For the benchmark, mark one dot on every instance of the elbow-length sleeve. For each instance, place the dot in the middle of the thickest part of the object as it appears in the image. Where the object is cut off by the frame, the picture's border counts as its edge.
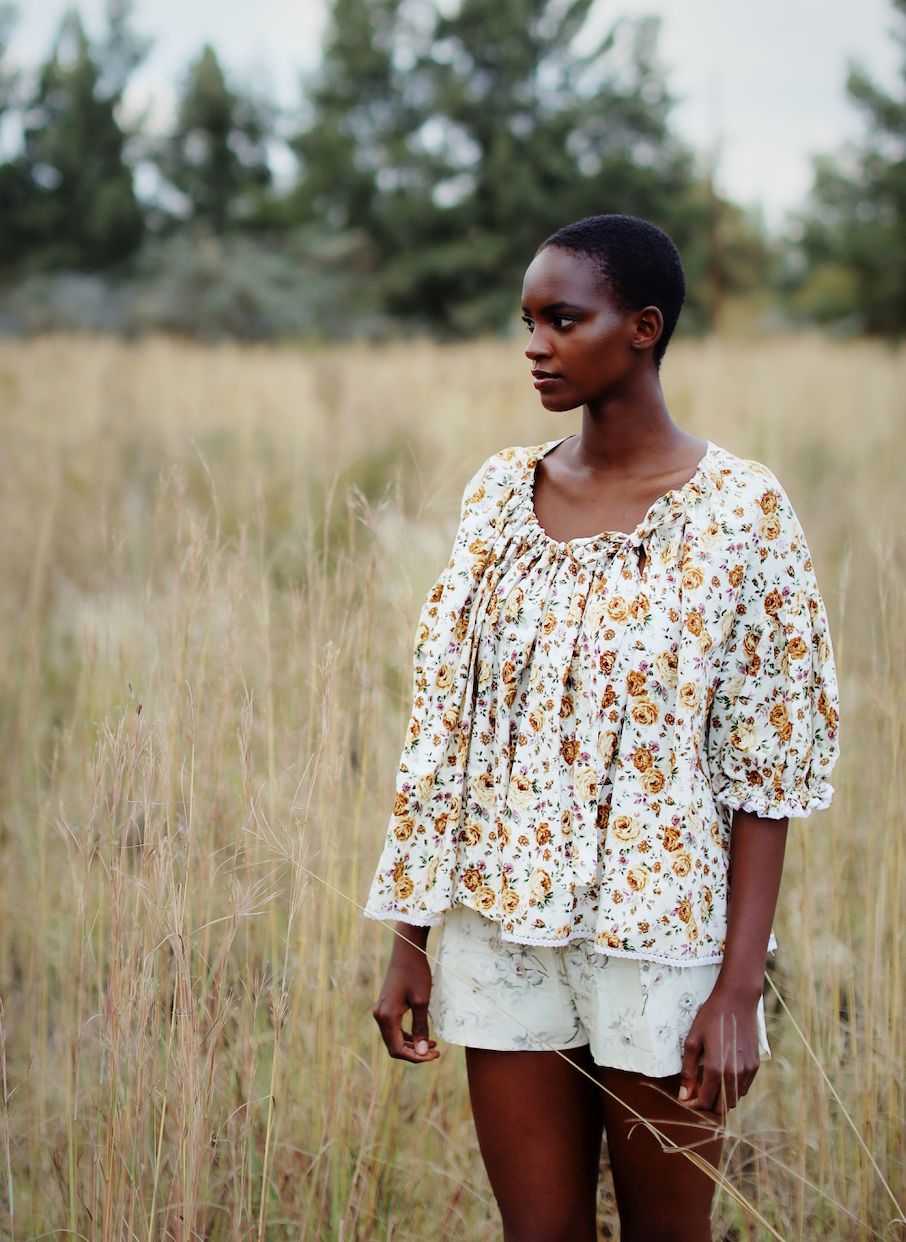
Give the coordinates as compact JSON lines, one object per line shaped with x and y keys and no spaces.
{"x":772,"y":739}
{"x":407,"y":885}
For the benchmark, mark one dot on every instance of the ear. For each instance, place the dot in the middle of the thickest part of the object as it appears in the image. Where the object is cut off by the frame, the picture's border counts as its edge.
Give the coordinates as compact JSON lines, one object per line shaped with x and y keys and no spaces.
{"x":649,"y":326}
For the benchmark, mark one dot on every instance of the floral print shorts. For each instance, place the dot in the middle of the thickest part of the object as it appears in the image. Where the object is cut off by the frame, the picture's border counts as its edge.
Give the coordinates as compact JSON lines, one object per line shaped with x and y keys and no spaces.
{"x":634,"y":1015}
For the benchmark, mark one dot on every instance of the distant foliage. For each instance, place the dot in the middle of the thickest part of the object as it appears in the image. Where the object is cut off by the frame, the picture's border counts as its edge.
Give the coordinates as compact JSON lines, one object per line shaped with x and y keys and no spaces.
{"x":434,"y":153}
{"x":217,"y":154}
{"x":855,"y":227}
{"x":458,"y":143}
{"x":67,"y":200}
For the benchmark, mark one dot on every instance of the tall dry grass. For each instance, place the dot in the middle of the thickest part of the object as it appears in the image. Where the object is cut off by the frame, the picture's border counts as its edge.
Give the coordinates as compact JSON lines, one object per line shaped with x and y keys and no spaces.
{"x":211,"y":565}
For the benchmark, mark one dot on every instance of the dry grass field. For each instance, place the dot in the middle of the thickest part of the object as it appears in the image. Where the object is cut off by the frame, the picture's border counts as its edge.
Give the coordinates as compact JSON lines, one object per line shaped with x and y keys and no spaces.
{"x":211,"y":564}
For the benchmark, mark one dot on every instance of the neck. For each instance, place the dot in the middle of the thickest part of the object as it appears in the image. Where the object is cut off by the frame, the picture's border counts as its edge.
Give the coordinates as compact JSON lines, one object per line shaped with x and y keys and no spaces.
{"x":623,"y":429}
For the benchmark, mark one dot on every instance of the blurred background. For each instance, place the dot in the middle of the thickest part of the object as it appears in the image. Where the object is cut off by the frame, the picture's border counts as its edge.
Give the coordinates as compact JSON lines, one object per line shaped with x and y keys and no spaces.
{"x":259,"y":277}
{"x":366,"y":167}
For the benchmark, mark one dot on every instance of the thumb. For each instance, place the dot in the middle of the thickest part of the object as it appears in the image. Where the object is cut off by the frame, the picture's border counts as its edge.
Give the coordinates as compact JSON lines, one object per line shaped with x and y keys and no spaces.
{"x":692,"y":1050}
{"x":420,"y":1027}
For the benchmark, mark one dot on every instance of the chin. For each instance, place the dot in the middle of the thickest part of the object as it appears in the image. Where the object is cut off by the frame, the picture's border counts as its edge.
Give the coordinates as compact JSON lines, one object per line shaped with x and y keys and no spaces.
{"x":558,"y":405}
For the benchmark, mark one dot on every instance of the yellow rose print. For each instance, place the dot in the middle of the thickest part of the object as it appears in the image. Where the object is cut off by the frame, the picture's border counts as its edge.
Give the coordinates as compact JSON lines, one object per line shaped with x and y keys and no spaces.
{"x":403,"y":828}
{"x":626,"y":828}
{"x":521,"y":794}
{"x":485,"y":898}
{"x":509,"y":901}
{"x":540,"y":884}
{"x":585,"y":783}
{"x":482,"y":786}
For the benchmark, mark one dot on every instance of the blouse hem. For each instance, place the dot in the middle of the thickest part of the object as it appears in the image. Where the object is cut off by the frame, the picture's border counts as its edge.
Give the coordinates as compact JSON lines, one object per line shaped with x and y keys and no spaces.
{"x":789,"y":809}
{"x":606,"y":951}
{"x":386,"y":916}
{"x":542,"y":942}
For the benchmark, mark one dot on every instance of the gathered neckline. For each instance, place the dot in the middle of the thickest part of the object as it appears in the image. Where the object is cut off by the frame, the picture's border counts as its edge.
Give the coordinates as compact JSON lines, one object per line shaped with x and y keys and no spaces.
{"x":606,"y":536}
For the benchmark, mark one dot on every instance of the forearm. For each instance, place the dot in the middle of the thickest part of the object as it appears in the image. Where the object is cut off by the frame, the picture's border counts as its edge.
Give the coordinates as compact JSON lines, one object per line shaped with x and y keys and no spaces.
{"x":412,"y":935}
{"x":756,"y":865}
{"x":407,"y":986}
{"x":720,"y":1053}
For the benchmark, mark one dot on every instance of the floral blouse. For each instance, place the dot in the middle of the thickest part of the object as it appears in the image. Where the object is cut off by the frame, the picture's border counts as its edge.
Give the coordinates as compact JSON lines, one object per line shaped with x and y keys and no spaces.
{"x":588,"y":715}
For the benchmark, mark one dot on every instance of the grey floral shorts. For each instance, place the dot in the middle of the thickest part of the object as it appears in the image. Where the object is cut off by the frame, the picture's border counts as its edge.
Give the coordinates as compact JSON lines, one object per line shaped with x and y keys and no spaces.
{"x":634,"y":1015}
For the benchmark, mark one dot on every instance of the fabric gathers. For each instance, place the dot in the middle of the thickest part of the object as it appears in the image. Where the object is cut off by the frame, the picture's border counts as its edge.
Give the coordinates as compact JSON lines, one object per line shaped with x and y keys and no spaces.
{"x":588,"y":715}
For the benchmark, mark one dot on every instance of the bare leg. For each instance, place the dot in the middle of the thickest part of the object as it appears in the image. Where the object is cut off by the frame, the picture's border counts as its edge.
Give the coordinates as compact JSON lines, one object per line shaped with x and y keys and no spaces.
{"x":539,"y":1129}
{"x":661,"y":1196}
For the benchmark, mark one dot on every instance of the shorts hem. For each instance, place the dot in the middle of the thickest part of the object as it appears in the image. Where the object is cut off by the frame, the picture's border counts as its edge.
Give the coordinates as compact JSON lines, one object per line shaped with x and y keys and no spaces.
{"x":489,"y":1044}
{"x":626,"y":1066}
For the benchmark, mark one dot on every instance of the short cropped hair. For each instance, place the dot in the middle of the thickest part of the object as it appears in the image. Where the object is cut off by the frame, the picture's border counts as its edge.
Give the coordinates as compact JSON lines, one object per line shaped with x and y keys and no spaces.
{"x":638,"y":261}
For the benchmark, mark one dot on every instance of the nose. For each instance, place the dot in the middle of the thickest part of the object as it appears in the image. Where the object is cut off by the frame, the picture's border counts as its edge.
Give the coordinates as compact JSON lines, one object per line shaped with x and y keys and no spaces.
{"x":537,"y":347}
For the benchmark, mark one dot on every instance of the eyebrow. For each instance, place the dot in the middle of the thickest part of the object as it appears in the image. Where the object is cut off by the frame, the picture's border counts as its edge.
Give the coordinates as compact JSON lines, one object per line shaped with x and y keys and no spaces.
{"x":555,"y":306}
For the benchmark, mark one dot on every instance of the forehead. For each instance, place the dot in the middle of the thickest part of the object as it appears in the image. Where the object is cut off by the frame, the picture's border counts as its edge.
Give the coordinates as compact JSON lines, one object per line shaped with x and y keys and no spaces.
{"x":557,"y":275}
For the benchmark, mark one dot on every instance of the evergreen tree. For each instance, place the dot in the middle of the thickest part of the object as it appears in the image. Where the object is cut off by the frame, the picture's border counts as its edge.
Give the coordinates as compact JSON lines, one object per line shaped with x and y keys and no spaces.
{"x":537,"y":136}
{"x":8,"y":79}
{"x":855,"y":227}
{"x":355,"y":80}
{"x":67,"y":200}
{"x":458,"y":143}
{"x":217,"y":154}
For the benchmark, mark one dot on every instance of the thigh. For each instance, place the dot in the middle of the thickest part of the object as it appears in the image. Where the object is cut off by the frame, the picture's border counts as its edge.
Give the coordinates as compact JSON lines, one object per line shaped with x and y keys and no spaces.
{"x":661,"y":1195}
{"x":539,"y":1129}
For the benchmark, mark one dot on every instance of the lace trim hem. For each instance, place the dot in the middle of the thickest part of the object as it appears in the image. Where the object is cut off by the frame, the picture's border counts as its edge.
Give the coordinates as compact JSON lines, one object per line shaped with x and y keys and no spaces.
{"x":789,"y":808}
{"x":386,"y":916}
{"x":660,"y":958}
{"x":546,"y":943}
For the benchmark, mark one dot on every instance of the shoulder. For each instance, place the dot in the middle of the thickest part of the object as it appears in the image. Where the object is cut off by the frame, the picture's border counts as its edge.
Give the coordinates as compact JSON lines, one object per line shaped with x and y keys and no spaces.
{"x":505,"y":472}
{"x":743,"y":491}
{"x":753,"y":511}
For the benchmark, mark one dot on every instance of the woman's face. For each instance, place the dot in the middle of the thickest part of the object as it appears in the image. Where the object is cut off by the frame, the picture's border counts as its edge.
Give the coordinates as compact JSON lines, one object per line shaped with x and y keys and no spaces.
{"x":584,"y":348}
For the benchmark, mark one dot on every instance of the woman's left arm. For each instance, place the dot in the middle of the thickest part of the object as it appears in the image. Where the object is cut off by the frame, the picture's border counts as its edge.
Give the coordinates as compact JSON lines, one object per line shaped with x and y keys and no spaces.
{"x":720,"y":1057}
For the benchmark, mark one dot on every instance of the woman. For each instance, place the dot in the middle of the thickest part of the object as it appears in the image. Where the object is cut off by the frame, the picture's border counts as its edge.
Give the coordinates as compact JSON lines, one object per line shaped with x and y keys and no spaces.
{"x":609,"y":735}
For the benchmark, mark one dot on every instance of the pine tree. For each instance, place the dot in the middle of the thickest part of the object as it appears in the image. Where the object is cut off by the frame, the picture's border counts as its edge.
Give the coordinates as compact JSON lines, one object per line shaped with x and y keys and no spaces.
{"x":359,"y":120}
{"x":217,"y":154}
{"x":67,"y":200}
{"x":855,"y":226}
{"x":537,"y":136}
{"x":8,"y":78}
{"x":458,"y":143}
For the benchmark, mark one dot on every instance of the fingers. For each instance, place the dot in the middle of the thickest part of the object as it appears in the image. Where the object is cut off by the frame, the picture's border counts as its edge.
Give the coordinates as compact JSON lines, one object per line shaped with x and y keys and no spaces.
{"x":420,"y":1038}
{"x":745,"y":1081}
{"x":416,"y":1046}
{"x":692,"y":1051}
{"x":713,"y":1089}
{"x":719,"y":1085}
{"x":411,"y":1053}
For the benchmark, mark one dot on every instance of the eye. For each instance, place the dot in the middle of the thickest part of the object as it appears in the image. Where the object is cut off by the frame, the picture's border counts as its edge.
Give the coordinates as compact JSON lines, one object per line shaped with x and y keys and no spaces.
{"x":561,"y":322}
{"x":529,"y":323}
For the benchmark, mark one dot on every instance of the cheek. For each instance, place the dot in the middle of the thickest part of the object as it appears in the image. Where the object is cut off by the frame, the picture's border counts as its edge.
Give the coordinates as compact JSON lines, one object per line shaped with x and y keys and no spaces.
{"x":591,"y":355}
{"x":607,"y":346}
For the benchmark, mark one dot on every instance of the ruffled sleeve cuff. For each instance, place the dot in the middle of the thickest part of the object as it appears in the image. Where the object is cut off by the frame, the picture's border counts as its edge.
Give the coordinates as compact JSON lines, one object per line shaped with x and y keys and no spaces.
{"x":772,"y":803}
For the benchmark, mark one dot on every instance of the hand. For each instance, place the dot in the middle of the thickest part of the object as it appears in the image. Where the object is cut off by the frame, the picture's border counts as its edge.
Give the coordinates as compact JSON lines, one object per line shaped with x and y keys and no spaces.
{"x":407,"y":985}
{"x":720,"y":1055}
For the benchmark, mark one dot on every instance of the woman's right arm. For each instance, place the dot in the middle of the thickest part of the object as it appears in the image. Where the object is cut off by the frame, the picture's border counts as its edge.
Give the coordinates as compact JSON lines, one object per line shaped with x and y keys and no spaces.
{"x":407,"y":985}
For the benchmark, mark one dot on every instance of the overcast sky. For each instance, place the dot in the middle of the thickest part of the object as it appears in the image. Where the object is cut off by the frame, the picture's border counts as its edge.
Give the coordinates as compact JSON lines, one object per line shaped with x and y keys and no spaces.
{"x":764,"y":79}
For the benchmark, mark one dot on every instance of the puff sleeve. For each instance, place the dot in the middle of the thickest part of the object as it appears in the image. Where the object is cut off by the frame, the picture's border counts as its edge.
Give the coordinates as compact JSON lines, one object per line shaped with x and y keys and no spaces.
{"x":407,"y":885}
{"x":772,"y":737}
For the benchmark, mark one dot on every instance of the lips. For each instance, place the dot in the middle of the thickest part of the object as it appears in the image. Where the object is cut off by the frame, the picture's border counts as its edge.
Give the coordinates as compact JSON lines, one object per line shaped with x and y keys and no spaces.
{"x":545,"y":379}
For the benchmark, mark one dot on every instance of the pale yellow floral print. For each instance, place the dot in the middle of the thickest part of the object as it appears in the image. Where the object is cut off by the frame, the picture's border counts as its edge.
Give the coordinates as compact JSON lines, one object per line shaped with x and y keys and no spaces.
{"x":586,"y":719}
